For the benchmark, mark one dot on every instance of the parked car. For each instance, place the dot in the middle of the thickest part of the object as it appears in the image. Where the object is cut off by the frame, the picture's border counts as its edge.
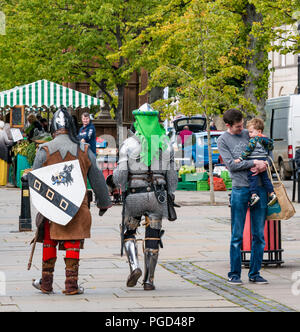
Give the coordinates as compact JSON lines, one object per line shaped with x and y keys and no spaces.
{"x":197,"y":153}
{"x":196,"y":124}
{"x":282,"y":125}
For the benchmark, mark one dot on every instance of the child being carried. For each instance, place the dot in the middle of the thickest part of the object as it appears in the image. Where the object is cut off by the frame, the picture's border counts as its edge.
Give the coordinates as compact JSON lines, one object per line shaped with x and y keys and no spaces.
{"x":258,"y":148}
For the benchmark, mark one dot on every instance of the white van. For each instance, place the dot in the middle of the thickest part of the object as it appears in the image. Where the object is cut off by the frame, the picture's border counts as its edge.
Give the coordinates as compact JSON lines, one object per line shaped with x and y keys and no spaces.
{"x":283,"y":126}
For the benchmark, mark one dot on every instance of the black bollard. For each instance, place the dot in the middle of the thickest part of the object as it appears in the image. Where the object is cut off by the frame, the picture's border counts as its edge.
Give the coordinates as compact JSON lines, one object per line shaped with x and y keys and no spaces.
{"x":25,"y":217}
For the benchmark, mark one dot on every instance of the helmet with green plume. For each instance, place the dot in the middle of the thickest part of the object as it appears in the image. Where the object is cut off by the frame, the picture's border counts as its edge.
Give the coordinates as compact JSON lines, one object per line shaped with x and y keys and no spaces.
{"x":150,"y":132}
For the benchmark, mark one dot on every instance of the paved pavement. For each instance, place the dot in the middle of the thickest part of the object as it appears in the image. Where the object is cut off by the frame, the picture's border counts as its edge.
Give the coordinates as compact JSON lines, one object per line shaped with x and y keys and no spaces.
{"x":191,"y":276}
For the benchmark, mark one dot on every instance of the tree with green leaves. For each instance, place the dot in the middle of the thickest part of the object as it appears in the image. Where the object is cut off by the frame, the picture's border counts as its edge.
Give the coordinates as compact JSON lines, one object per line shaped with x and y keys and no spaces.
{"x":194,"y":52}
{"x":215,"y":53}
{"x":72,"y":41}
{"x":260,"y":27}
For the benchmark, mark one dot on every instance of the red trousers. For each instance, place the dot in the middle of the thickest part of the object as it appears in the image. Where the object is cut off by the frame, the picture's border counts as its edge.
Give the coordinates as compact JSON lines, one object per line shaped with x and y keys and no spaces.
{"x":49,"y":246}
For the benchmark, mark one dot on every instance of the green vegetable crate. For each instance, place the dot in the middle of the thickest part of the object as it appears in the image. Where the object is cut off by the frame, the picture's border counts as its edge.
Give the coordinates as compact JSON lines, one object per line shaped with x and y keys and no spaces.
{"x":202,"y":186}
{"x":227,"y":180}
{"x":228,"y":184}
{"x":199,"y":181}
{"x":187,"y":186}
{"x":194,"y":177}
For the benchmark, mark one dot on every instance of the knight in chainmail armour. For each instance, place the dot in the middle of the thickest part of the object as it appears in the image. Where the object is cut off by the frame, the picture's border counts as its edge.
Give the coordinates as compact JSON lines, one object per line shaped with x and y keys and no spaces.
{"x":146,"y":172}
{"x":63,"y":148}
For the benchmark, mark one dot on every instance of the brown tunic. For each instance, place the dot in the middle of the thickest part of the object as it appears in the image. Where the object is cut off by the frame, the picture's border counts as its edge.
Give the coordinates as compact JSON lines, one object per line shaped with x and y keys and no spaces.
{"x":79,"y":227}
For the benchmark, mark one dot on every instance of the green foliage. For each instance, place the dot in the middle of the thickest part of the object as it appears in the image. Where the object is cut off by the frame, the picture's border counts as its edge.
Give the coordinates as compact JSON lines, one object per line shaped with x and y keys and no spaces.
{"x":201,"y":48}
{"x":71,"y":41}
{"x":195,"y":52}
{"x":26,"y":149}
{"x":212,"y":51}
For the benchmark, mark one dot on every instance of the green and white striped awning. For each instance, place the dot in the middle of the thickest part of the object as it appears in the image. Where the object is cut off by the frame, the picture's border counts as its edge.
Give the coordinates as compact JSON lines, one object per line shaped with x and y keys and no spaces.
{"x":45,"y":93}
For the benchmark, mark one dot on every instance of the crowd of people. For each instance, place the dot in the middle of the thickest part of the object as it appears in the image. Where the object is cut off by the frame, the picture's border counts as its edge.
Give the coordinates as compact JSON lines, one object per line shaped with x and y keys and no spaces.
{"x":36,"y":125}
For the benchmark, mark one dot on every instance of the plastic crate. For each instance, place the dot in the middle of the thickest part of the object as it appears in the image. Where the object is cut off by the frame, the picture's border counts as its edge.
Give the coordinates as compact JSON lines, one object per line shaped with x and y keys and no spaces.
{"x":202,"y":186}
{"x":225,"y":175}
{"x":187,"y":186}
{"x":228,"y":184}
{"x":194,"y":177}
{"x":22,"y":164}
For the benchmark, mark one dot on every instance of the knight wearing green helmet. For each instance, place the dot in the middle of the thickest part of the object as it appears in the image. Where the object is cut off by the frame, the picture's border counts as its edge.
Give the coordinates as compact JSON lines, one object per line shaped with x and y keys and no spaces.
{"x":146,"y":173}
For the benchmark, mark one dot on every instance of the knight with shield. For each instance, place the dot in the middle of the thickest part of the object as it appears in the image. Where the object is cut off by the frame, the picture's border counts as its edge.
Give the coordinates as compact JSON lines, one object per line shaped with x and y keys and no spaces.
{"x":58,"y":187}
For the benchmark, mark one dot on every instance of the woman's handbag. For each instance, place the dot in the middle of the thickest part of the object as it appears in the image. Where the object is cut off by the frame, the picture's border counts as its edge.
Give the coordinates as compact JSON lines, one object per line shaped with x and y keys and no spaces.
{"x":283,"y":209}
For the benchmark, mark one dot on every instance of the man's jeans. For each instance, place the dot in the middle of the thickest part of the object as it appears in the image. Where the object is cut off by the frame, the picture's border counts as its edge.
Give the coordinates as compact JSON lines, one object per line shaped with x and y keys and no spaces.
{"x":239,"y":204}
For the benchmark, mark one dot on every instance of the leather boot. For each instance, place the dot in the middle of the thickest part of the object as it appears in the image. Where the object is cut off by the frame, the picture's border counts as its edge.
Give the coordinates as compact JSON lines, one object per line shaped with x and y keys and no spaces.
{"x":132,"y":256}
{"x":151,"y":258}
{"x":71,"y":283}
{"x":45,"y":283}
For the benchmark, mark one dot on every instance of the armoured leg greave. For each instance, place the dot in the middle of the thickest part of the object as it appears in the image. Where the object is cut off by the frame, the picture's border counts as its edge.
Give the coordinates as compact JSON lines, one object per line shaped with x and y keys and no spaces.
{"x":151,"y":258}
{"x":152,"y":241}
{"x":132,"y":256}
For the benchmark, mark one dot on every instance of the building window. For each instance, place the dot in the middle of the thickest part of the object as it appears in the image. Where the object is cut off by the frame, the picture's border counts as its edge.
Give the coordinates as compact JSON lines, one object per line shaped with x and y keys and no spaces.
{"x":280,"y":91}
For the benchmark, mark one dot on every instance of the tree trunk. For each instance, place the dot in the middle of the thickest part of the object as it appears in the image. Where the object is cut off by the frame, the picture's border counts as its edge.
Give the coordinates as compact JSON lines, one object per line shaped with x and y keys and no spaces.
{"x":254,"y":65}
{"x":119,"y":116}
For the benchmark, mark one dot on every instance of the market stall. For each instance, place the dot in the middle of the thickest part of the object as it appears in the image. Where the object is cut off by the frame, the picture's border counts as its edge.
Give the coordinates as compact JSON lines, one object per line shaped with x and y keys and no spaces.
{"x":197,"y":179}
{"x":36,"y":97}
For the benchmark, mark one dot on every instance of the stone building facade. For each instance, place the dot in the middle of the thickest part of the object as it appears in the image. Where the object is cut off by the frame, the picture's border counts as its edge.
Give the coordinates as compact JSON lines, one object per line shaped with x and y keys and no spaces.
{"x":284,"y":78}
{"x":105,"y":125}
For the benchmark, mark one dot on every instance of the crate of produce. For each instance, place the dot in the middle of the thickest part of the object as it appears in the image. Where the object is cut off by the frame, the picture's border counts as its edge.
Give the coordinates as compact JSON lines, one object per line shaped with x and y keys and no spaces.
{"x":225,"y":176}
{"x":202,"y":186}
{"x":228,"y":184}
{"x":219,"y":184}
{"x":187,"y":186}
{"x":194,"y":177}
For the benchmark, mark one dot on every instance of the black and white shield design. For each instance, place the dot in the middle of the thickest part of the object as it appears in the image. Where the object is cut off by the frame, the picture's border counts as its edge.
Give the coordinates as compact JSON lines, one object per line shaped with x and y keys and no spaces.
{"x":57,"y":191}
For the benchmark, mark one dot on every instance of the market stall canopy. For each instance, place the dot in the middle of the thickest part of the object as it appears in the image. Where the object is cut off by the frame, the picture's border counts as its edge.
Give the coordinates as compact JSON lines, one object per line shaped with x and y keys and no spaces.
{"x":45,"y":93}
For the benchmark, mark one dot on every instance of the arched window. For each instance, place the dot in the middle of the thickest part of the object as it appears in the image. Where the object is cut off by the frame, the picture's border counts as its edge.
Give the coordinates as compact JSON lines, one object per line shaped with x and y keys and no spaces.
{"x":296,"y":90}
{"x":280,"y":91}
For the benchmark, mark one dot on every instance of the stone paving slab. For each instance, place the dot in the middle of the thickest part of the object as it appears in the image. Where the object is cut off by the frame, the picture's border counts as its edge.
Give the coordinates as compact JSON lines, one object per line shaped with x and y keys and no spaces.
{"x":237,"y":294}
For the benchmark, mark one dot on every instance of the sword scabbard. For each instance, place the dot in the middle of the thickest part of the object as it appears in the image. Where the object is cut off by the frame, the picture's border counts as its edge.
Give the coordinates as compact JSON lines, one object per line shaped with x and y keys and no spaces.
{"x":32,"y":250}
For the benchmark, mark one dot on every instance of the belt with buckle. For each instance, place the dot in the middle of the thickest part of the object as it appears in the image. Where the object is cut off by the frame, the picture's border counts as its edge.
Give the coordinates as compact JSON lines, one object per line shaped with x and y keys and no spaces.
{"x":147,"y":189}
{"x":142,"y":190}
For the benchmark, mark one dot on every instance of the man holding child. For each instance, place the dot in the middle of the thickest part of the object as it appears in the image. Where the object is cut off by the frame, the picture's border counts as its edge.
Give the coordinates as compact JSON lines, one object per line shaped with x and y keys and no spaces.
{"x":232,"y":145}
